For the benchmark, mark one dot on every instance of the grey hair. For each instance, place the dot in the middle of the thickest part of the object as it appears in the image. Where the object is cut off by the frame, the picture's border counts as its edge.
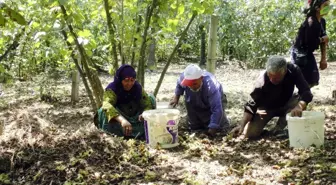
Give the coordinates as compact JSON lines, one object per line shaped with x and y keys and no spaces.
{"x":276,"y":64}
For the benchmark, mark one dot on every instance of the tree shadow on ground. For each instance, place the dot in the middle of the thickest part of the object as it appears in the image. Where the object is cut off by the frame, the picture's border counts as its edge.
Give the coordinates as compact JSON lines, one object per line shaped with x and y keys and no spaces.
{"x":87,"y":157}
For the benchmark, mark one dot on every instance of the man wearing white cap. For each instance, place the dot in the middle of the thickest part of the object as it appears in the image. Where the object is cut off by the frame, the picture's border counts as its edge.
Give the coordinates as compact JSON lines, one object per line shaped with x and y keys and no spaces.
{"x":204,"y":99}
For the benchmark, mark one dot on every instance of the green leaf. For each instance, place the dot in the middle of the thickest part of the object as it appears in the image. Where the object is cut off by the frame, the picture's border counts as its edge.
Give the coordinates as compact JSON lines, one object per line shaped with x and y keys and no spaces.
{"x":180,"y":9}
{"x":92,"y":44}
{"x":84,"y":33}
{"x":208,"y":9}
{"x":60,"y":167}
{"x":190,"y":15}
{"x":68,"y":183}
{"x":70,"y":39}
{"x":150,"y":176}
{"x":15,"y":16}
{"x":173,"y":6}
{"x":63,"y":52}
{"x":334,"y":12}
{"x":35,"y":25}
{"x":2,"y":69}
{"x":78,"y":17}
{"x":167,"y":29}
{"x":89,"y":53}
{"x":325,"y":10}
{"x":94,"y":13}
{"x":2,"y":20}
{"x":173,"y":22}
{"x":62,"y":2}
{"x":37,"y":44}
{"x":186,"y":46}
{"x":197,"y":6}
{"x":4,"y":179}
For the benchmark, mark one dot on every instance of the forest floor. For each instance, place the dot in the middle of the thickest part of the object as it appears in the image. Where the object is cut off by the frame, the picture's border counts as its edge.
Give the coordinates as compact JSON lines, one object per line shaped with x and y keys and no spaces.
{"x":55,"y":142}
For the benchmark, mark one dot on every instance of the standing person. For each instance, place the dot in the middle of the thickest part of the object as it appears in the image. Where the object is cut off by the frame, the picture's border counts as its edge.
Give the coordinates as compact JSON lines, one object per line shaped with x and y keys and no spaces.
{"x":311,"y":35}
{"x":204,"y":99}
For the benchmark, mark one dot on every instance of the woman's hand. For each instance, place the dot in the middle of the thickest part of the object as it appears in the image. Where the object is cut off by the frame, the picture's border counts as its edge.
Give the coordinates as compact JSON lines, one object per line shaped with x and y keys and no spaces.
{"x":323,"y":64}
{"x":141,"y":118}
{"x":127,"y":127}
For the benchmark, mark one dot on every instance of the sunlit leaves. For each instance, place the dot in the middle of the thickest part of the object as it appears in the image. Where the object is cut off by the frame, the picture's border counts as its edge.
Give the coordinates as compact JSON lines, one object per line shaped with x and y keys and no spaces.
{"x":186,"y":46}
{"x":197,"y":6}
{"x":325,"y":10}
{"x":2,"y":69}
{"x":12,"y":14}
{"x":78,"y":17}
{"x":84,"y":33}
{"x":63,"y":2}
{"x":2,"y":20}
{"x":208,"y":7}
{"x":172,"y":23}
{"x":334,"y":12}
{"x":70,"y":39}
{"x":271,"y":28}
{"x":180,"y":9}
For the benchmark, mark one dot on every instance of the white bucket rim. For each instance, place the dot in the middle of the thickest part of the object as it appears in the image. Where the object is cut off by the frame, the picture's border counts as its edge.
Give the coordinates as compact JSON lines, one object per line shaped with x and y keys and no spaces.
{"x":317,"y":114}
{"x":163,"y":105}
{"x":161,"y":111}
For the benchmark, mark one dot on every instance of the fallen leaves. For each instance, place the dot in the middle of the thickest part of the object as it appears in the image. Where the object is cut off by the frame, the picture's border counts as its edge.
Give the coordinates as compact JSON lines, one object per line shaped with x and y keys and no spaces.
{"x":55,"y":143}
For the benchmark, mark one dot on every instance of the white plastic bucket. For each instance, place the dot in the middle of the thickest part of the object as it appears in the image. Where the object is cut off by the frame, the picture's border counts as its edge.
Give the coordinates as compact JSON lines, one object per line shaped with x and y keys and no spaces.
{"x":162,"y":105}
{"x":161,"y":127}
{"x":306,"y":130}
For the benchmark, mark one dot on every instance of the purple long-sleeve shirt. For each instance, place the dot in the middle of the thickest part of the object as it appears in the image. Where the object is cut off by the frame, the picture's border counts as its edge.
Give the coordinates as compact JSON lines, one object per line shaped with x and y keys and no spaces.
{"x":208,"y":98}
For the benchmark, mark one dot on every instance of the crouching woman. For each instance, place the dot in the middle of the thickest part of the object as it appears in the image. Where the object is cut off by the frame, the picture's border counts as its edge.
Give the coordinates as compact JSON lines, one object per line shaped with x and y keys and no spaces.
{"x":123,"y":105}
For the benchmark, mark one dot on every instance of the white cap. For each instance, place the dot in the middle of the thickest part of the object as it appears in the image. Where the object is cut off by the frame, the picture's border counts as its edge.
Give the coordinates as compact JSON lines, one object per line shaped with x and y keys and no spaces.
{"x":192,"y":72}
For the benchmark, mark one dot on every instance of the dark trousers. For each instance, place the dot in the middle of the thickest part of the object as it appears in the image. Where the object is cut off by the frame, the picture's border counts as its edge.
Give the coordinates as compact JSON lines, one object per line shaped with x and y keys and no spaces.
{"x":199,"y":119}
{"x":309,"y":70}
{"x":255,"y":127}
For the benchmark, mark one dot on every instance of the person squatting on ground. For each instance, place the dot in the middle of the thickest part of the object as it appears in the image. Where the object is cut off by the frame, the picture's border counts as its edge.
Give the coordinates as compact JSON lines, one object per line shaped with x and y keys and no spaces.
{"x":204,"y":99}
{"x":273,"y":96}
{"x":123,"y":104}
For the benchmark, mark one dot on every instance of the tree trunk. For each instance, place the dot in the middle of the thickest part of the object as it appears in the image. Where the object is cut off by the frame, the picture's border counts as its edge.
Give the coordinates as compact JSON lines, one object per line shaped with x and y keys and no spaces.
{"x":141,"y":65}
{"x":152,"y":46}
{"x":95,"y":83}
{"x":75,"y":87}
{"x":113,"y":50}
{"x":121,"y":42}
{"x":203,"y":58}
{"x":151,"y":55}
{"x":122,"y":57}
{"x":183,"y":35}
{"x":86,"y":84}
{"x":212,"y":44}
{"x":134,"y":45}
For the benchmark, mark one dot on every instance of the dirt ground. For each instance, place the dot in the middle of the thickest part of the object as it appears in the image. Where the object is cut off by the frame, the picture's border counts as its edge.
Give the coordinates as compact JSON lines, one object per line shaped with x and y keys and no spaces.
{"x":55,"y":142}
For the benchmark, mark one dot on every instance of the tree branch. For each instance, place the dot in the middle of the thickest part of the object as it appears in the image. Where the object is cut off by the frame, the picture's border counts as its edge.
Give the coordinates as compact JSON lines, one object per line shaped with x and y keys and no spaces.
{"x":183,"y":34}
